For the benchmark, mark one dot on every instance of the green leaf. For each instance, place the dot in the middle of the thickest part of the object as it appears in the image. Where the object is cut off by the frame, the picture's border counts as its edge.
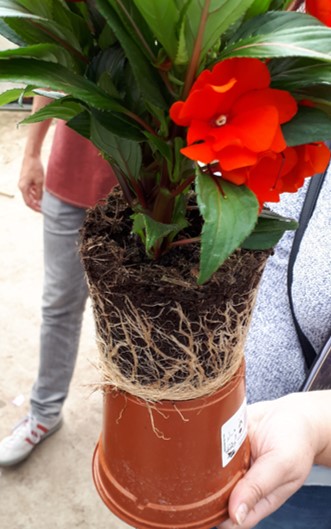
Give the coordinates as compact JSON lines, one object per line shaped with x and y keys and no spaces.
{"x":125,"y":153}
{"x":160,"y":145}
{"x":182,"y":56}
{"x":10,"y":8}
{"x":118,"y":124}
{"x":281,"y":35}
{"x":152,"y":231}
{"x":135,"y":25}
{"x":258,"y":7}
{"x":294,"y":74}
{"x":64,"y":108}
{"x":308,"y":125}
{"x":45,"y":52}
{"x":13,"y":94}
{"x":319,"y":95}
{"x":268,"y":231}
{"x":146,"y":77}
{"x":57,"y":77}
{"x":51,"y":18}
{"x":230,"y":214}
{"x":162,"y":18}
{"x":221,"y":14}
{"x":280,"y":5}
{"x":81,"y":124}
{"x":9,"y":34}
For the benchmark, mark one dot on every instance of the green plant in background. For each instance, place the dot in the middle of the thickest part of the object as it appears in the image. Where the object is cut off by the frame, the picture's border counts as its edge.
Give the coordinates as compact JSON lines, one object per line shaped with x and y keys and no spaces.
{"x":229,"y":98}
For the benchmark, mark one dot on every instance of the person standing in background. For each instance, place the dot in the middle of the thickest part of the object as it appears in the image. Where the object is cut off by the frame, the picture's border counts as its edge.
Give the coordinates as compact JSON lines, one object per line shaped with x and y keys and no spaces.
{"x":77,"y":177}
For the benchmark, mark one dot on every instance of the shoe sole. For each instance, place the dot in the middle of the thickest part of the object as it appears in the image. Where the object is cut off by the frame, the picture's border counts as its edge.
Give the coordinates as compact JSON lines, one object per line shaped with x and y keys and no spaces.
{"x":18,"y":460}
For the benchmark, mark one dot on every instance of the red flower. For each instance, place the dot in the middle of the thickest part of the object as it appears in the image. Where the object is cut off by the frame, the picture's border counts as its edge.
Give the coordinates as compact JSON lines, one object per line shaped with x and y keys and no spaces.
{"x":232,"y":115}
{"x":276,"y":173}
{"x":320,"y":9}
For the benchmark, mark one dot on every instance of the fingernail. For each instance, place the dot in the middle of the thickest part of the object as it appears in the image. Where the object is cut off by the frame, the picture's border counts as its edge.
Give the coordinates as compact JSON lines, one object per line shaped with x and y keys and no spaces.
{"x":241,"y":513}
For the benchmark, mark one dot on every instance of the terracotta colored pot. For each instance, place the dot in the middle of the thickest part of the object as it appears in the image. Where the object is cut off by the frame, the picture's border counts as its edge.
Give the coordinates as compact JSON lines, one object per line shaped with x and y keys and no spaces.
{"x":172,"y":465}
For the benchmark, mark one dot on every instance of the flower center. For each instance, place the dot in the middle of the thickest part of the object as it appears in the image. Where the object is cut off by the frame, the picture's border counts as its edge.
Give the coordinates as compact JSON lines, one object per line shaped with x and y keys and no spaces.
{"x":221,"y":120}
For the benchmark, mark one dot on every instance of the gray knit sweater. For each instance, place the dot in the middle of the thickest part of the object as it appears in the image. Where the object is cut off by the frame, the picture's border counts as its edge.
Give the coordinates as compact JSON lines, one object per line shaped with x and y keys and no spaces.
{"x":274,"y":359}
{"x":275,"y":363}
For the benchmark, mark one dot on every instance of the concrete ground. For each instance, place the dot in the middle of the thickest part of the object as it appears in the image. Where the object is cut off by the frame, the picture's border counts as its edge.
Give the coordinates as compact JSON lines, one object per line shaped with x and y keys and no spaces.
{"x":53,"y":489}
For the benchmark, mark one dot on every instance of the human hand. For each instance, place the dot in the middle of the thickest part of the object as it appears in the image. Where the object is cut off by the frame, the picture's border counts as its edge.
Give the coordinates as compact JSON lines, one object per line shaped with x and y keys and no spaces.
{"x":31,"y":181}
{"x":284,"y":443}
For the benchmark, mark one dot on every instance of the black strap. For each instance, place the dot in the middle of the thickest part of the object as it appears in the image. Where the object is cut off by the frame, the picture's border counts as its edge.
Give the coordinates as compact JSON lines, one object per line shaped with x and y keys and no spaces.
{"x":307,"y":210}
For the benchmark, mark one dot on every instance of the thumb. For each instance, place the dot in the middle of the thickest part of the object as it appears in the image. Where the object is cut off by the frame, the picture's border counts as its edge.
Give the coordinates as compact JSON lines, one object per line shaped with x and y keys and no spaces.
{"x":264,"y":488}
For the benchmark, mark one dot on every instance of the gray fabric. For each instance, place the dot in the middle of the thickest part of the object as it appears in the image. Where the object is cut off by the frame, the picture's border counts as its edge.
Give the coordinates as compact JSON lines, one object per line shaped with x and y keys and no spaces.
{"x":64,"y":297}
{"x":274,"y":359}
{"x":275,"y":363}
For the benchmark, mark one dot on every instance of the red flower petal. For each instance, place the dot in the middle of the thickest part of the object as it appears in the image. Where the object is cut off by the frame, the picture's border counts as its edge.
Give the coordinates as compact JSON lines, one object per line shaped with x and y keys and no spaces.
{"x":234,"y":157}
{"x":278,"y":143}
{"x":201,"y":152}
{"x":224,"y":136}
{"x":198,"y":130}
{"x":251,"y":74}
{"x":200,"y":105}
{"x":320,"y":9}
{"x":175,"y":113}
{"x":237,"y":176}
{"x":263,"y":177}
{"x":284,"y":102}
{"x":319,"y":155}
{"x":257,"y":127}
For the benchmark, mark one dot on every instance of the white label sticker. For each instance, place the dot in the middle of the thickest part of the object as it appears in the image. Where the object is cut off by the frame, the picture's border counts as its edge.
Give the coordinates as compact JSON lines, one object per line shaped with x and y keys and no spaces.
{"x":233,"y":434}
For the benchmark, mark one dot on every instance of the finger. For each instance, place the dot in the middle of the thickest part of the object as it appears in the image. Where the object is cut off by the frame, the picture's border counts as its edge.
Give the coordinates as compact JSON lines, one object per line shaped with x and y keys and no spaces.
{"x":263,"y":489}
{"x":32,"y":197}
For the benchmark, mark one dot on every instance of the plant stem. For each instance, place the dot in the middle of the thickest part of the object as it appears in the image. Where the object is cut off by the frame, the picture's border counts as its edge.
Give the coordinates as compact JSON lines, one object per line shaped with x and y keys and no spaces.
{"x":141,"y":122}
{"x":194,"y":63}
{"x":182,"y":242}
{"x":139,"y":194}
{"x":163,"y":206}
{"x":294,"y":6}
{"x":137,"y":30}
{"x":65,"y":45}
{"x":178,"y":190}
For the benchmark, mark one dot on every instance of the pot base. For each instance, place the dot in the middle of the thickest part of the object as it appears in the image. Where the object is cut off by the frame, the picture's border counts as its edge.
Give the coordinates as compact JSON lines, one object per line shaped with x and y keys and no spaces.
{"x":172,"y":464}
{"x":105,"y":483}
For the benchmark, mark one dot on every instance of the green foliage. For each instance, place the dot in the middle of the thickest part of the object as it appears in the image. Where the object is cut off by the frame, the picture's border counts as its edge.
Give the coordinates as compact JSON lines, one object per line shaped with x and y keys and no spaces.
{"x":281,"y":35}
{"x":258,"y":7}
{"x":45,"y":74}
{"x":126,"y":154}
{"x":308,"y":125}
{"x":113,"y":69}
{"x":14,"y":94}
{"x":146,"y":81}
{"x":46,"y":52}
{"x":152,"y":233}
{"x":269,"y":229}
{"x":162,"y":18}
{"x":230,"y":214}
{"x":63,"y":108}
{"x":218,"y":16}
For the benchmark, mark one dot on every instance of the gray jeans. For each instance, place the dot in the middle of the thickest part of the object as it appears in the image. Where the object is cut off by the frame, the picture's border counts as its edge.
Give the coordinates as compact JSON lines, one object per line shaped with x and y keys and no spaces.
{"x":63,"y":303}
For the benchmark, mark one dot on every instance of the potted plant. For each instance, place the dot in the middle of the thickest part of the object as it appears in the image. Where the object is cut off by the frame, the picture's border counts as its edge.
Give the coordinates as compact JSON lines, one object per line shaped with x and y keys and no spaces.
{"x":206,"y":110}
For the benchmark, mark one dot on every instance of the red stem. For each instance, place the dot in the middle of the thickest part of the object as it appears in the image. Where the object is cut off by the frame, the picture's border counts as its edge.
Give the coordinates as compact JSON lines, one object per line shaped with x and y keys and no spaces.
{"x":193,"y":66}
{"x":141,"y":122}
{"x":69,"y":48}
{"x":178,"y":190}
{"x":184,"y":241}
{"x":294,"y":6}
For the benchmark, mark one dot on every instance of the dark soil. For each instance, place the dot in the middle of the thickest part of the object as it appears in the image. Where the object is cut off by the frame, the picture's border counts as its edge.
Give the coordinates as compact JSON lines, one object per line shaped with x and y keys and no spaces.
{"x":118,"y":269}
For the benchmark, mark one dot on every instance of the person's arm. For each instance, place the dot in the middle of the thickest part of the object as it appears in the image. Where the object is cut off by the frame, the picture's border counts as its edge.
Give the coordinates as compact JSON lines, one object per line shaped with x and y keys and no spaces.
{"x":287,"y":437}
{"x":31,"y":179}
